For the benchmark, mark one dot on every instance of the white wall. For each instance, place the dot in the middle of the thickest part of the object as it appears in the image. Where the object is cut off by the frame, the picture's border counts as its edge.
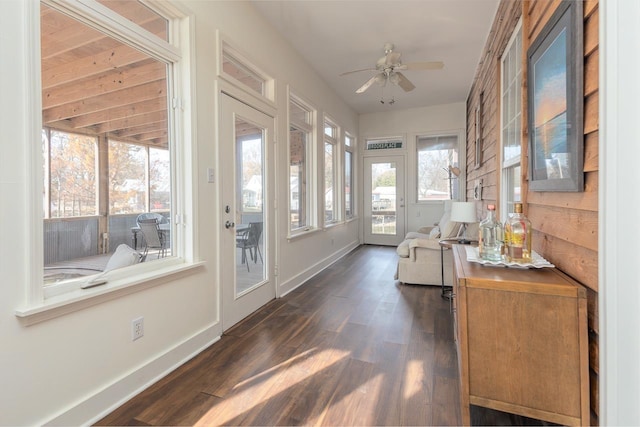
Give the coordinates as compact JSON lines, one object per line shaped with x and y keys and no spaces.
{"x":410,"y":123}
{"x":71,"y":369}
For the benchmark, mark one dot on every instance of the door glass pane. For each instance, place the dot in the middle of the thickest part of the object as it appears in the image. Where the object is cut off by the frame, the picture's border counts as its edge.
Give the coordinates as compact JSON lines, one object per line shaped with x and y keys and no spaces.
{"x":383,"y":198}
{"x":249,"y":190}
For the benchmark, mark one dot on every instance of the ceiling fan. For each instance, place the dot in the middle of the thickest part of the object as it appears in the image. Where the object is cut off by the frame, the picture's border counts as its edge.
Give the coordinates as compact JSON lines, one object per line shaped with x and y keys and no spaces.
{"x":388,"y":68}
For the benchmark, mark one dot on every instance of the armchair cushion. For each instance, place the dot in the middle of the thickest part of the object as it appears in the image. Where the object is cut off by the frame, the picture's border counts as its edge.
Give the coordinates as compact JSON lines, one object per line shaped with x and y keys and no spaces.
{"x":425,"y":243}
{"x":434,"y":233}
{"x":447,"y":227}
{"x":403,"y":248}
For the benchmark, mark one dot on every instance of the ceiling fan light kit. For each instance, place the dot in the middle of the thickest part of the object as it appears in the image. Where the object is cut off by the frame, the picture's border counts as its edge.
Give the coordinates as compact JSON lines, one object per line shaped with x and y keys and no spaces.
{"x":387,"y":70}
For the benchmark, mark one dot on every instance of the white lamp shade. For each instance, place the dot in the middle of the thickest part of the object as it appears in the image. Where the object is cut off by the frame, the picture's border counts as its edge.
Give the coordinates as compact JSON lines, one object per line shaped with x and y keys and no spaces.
{"x":463,"y":212}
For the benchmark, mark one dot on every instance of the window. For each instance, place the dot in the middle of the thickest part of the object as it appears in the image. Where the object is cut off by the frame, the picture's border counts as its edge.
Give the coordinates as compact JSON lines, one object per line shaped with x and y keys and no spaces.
{"x":237,"y":69}
{"x":349,"y":199}
{"x":511,"y":121}
{"x":108,"y":146}
{"x":436,"y":155}
{"x":300,"y":165}
{"x":330,"y":170}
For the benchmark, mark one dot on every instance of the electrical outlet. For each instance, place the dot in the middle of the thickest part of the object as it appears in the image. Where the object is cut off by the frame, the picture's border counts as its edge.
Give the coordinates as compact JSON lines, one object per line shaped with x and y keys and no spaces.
{"x":137,"y":328}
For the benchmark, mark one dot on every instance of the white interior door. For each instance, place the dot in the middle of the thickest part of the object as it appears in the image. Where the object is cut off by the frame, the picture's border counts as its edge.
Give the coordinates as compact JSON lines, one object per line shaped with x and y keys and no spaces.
{"x":384,"y":200}
{"x":246,"y":139}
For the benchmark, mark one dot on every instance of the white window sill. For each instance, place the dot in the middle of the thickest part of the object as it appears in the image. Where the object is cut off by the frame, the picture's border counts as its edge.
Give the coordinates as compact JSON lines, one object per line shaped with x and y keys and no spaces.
{"x":302,"y":233}
{"x":333,"y":224}
{"x":80,"y":299}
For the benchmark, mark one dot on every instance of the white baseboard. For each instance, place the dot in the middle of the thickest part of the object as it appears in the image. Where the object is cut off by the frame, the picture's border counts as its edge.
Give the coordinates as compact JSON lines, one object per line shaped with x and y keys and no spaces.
{"x":299,"y":279}
{"x":97,"y":406}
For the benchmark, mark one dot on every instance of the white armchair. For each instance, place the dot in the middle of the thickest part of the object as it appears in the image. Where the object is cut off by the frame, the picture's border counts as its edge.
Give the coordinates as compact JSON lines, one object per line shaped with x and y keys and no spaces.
{"x":419,"y":254}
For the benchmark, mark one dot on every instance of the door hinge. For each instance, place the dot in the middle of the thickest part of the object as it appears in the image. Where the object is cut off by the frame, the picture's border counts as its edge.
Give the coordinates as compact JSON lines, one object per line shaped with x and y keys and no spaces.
{"x":176,"y":103}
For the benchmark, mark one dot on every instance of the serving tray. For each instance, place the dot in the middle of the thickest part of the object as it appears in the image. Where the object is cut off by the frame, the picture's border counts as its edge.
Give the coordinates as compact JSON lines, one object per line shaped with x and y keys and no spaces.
{"x":537,"y":261}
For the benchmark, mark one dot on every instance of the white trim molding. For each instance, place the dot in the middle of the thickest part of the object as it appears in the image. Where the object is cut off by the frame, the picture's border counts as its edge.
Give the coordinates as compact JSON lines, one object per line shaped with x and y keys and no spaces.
{"x":619,"y":228}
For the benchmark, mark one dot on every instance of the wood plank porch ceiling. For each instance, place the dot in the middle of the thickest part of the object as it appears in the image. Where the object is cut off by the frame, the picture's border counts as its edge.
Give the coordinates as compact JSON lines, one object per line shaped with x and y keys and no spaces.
{"x":94,"y":84}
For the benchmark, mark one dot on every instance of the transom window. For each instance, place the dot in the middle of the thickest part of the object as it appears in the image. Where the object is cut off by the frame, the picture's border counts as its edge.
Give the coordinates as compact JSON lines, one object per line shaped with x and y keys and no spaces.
{"x":239,"y":70}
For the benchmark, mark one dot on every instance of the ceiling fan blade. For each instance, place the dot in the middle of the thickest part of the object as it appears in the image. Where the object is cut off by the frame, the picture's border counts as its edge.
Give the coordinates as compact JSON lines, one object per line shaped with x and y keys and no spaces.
{"x":357,"y":71}
{"x":403,"y":82}
{"x":367,"y":84}
{"x":433,"y":65}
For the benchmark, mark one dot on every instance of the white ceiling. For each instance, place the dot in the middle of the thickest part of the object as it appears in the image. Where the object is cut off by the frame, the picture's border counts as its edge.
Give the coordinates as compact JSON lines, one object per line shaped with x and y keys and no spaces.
{"x":345,"y":35}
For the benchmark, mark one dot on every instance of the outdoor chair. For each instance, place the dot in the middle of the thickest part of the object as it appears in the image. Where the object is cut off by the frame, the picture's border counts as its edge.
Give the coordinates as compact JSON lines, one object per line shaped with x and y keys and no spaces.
{"x":153,"y":237}
{"x":249,"y":239}
{"x":151,"y":215}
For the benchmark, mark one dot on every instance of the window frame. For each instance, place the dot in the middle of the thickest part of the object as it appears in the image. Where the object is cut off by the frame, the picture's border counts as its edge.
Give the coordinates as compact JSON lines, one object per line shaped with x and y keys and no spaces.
{"x":508,"y":167}
{"x":311,"y":159}
{"x":352,"y":150}
{"x":336,"y":195}
{"x":226,"y":46}
{"x":461,"y":188}
{"x":42,"y":304}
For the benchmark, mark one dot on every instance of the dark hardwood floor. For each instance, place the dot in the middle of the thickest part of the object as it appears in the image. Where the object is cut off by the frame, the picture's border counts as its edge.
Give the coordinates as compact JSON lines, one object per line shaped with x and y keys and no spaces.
{"x":350,"y":347}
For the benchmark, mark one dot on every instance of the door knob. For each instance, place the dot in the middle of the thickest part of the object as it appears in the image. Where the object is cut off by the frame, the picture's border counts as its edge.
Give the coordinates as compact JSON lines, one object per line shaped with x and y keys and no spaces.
{"x":229,"y":224}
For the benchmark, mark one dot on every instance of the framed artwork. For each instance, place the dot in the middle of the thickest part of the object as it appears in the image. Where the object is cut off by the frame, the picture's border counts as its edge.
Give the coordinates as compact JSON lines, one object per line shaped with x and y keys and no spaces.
{"x":478,"y":132}
{"x":556,"y":101}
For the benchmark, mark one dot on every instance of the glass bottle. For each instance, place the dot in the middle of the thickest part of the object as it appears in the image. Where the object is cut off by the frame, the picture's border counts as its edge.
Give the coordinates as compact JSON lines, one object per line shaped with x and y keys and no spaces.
{"x":505,"y":238}
{"x":490,"y":242}
{"x":518,"y":230}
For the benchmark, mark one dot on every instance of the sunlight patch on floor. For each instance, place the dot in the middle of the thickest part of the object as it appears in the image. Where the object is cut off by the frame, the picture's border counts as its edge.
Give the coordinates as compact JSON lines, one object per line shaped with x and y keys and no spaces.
{"x":269,"y":384}
{"x":414,"y":378}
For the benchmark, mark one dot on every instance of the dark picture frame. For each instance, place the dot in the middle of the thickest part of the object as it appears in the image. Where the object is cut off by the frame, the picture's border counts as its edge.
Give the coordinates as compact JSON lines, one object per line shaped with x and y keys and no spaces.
{"x":555,"y":101}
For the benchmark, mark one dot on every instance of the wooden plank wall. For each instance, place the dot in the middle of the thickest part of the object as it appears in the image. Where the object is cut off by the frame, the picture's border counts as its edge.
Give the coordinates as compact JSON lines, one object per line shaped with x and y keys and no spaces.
{"x":565,"y":224}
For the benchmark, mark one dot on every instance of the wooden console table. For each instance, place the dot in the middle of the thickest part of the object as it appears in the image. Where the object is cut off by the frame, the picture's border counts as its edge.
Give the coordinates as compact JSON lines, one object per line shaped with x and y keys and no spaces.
{"x":521,"y":336}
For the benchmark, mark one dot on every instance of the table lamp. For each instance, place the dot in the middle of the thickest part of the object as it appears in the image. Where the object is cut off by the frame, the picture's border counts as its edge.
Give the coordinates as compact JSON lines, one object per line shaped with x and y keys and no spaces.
{"x":465,"y":213}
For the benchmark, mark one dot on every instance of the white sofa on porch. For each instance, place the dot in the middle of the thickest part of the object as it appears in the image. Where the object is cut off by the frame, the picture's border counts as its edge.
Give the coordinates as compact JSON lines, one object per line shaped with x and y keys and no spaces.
{"x":419,"y":254}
